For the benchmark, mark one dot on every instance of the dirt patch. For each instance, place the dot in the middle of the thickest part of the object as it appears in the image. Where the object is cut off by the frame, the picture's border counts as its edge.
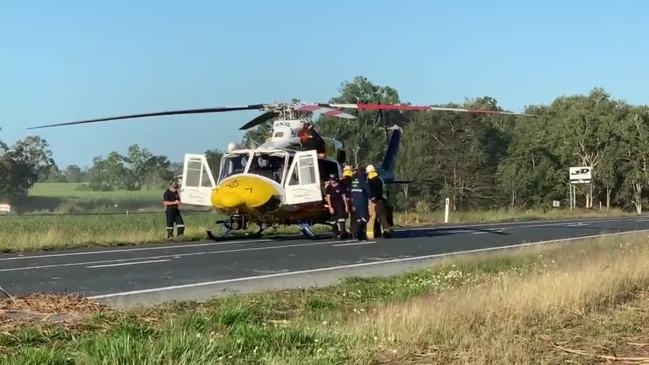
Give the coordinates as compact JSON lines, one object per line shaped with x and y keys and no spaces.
{"x":48,"y":308}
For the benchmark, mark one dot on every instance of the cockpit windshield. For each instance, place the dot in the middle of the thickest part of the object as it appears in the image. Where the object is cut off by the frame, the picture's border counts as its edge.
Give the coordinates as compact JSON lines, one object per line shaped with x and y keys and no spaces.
{"x":270,"y":165}
{"x":233,"y":163}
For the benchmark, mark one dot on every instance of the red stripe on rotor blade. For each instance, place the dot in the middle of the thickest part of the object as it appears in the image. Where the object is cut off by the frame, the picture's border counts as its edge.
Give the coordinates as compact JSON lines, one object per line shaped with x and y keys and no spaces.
{"x":333,"y":113}
{"x":391,"y":107}
{"x":308,"y":108}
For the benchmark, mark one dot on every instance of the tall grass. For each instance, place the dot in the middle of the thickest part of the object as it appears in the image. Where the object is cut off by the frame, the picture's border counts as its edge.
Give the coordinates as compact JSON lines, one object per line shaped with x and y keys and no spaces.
{"x":513,"y":317}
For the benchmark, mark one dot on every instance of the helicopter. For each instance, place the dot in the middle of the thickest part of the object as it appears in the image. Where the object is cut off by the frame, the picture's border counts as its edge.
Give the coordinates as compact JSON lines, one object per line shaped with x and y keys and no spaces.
{"x":281,"y":181}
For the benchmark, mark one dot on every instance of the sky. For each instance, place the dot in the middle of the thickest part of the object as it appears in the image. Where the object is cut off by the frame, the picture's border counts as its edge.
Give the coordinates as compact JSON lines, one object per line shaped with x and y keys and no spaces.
{"x":70,"y":60}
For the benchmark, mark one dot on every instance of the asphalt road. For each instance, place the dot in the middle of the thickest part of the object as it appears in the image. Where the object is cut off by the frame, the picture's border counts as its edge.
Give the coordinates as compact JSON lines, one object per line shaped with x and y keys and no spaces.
{"x":149,"y":274}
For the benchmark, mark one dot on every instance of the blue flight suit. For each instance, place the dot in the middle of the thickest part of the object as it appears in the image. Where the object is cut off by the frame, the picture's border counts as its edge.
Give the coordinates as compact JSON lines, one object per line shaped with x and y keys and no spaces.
{"x":360,"y":197}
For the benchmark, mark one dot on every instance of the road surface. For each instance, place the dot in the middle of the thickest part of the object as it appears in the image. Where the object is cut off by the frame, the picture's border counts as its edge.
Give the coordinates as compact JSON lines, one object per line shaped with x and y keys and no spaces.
{"x":149,"y":274}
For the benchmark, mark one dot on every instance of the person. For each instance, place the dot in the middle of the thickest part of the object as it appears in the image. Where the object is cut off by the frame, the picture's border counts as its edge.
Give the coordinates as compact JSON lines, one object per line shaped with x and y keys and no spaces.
{"x":337,"y":202}
{"x":359,"y":199}
{"x":311,"y":140}
{"x":377,"y":204}
{"x":346,"y":182}
{"x":171,"y":201}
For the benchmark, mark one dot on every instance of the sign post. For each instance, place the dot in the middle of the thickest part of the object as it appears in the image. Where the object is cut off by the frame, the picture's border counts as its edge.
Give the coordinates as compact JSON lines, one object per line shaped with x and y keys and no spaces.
{"x":447,"y":204}
{"x":579,"y":175}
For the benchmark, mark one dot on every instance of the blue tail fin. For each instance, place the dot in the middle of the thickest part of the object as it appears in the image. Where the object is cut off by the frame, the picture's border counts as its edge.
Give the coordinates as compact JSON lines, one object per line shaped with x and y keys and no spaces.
{"x":390,"y":158}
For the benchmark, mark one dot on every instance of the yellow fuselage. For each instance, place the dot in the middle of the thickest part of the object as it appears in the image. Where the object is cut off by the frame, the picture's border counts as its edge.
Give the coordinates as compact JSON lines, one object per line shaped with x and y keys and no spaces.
{"x":262,"y":199}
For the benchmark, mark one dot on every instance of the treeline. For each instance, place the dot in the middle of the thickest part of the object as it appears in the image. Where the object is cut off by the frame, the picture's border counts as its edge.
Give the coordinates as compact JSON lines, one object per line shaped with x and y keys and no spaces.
{"x":505,"y":161}
{"x":137,"y":169}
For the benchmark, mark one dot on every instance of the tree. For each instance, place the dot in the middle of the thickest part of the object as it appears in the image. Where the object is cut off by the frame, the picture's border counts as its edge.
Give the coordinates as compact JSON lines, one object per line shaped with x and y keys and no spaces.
{"x":531,"y":173}
{"x":364,"y":138}
{"x":456,"y":155}
{"x":22,"y":165}
{"x":635,"y":152}
{"x":109,"y":173}
{"x":213,"y":157}
{"x":73,"y":174}
{"x":585,"y":125}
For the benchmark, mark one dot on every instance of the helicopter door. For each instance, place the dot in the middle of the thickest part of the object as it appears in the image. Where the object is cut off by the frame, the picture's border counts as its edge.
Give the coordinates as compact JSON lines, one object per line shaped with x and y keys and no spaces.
{"x":303,"y":180}
{"x":197,"y":182}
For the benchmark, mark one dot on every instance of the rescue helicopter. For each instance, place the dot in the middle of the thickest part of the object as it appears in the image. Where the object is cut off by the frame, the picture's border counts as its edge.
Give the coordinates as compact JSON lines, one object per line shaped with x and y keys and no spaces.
{"x":281,"y":181}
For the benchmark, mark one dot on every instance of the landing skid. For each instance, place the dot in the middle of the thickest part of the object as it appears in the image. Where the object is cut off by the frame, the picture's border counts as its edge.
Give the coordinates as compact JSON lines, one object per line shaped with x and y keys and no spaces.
{"x":306,"y":231}
{"x":227,"y":234}
{"x":237,"y":222}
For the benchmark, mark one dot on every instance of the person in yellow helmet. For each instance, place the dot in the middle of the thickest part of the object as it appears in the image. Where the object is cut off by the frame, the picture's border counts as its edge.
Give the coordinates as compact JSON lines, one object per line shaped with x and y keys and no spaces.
{"x":346,"y":183}
{"x":377,"y":204}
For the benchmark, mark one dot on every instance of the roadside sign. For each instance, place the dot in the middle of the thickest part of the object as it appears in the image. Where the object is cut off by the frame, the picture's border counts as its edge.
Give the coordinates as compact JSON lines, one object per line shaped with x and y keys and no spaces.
{"x":556,"y":203}
{"x":5,"y":208}
{"x":581,"y":174}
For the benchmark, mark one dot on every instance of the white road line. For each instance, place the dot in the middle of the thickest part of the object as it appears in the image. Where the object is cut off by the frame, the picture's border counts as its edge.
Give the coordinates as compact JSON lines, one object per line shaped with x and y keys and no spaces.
{"x":354,"y":244}
{"x":128,"y":263}
{"x":168,"y":256}
{"x":130,"y":250}
{"x":332,"y":268}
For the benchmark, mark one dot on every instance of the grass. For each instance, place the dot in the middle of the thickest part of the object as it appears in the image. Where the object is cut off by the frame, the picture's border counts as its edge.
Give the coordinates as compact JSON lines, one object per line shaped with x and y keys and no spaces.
{"x":504,"y":215}
{"x":76,"y":198}
{"x":533,"y":305}
{"x":28,"y":233}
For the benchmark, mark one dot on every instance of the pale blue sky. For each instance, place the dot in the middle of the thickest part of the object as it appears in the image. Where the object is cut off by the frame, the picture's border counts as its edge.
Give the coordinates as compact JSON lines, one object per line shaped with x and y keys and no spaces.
{"x":68,"y":60}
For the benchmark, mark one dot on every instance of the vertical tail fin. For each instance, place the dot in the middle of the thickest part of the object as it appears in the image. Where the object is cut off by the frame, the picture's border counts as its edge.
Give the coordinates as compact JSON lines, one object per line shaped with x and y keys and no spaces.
{"x":390,"y":158}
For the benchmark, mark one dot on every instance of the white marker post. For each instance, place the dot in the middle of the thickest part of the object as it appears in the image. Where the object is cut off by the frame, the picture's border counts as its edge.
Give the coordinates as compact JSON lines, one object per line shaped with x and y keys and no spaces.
{"x":447,"y":204}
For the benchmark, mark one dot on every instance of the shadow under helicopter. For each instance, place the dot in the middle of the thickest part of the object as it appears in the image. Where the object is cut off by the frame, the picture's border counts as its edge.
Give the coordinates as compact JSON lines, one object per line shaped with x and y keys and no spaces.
{"x":398,"y":233}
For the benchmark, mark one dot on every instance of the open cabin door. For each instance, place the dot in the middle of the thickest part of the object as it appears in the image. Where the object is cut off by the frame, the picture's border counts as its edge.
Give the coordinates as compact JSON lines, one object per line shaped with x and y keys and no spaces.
{"x":303,"y":180}
{"x":197,"y":182}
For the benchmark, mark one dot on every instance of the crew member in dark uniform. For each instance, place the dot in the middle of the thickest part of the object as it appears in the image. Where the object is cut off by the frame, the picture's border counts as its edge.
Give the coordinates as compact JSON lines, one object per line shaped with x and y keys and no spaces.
{"x":337,"y":202}
{"x":346,"y":182}
{"x":360,"y":198}
{"x":171,"y":200}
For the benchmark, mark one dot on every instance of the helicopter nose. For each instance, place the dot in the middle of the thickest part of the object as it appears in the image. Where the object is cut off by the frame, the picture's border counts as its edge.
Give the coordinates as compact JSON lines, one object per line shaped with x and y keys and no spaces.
{"x":248,"y":192}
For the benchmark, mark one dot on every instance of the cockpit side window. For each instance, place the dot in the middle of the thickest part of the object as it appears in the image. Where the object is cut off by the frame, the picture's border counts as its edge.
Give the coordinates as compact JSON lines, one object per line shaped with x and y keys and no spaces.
{"x":232,"y":164}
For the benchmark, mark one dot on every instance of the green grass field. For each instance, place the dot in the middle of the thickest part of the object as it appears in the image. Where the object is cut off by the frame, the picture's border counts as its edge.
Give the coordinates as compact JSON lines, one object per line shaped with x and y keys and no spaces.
{"x":74,"y":198}
{"x":581,"y":303}
{"x":42,"y":232}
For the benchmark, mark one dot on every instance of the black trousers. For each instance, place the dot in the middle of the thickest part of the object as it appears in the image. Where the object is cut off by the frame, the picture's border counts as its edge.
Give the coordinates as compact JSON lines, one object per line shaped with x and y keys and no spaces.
{"x":173,"y":216}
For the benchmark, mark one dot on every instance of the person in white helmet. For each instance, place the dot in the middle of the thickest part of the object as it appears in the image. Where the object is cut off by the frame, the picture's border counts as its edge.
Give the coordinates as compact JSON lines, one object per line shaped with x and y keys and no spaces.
{"x":377,"y":204}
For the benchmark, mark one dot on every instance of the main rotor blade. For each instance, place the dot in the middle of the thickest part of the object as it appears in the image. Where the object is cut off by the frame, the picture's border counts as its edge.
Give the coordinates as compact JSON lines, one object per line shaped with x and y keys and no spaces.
{"x":324,"y":110}
{"x":370,"y":106}
{"x":158,"y":114}
{"x":259,"y":120}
